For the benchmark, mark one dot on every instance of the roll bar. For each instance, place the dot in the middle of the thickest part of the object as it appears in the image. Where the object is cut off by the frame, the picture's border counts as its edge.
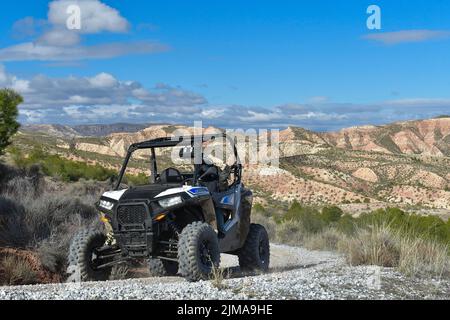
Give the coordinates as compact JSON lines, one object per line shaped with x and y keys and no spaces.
{"x":173,"y":142}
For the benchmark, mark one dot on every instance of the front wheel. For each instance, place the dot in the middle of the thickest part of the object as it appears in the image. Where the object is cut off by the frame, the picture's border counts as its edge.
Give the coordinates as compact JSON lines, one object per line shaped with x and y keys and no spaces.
{"x":198,"y":251}
{"x":83,"y":258}
{"x":255,"y":254}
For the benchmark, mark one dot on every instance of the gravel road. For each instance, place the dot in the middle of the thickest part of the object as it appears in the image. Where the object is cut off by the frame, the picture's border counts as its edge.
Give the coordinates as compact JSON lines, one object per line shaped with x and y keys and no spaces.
{"x":296,"y":273}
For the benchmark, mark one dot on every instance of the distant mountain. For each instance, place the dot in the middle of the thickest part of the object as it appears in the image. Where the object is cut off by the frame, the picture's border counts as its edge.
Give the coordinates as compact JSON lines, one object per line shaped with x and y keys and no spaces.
{"x":99,"y":130}
{"x":403,"y":163}
{"x":426,"y":137}
{"x":88,"y":130}
{"x":55,"y":130}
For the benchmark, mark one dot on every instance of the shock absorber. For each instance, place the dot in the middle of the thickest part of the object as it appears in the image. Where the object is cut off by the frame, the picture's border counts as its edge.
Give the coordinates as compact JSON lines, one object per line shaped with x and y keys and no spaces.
{"x":173,"y":227}
{"x":173,"y":243}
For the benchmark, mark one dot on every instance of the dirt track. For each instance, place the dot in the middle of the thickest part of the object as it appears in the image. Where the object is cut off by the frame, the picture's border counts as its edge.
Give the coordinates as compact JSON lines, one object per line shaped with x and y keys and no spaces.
{"x":296,"y":273}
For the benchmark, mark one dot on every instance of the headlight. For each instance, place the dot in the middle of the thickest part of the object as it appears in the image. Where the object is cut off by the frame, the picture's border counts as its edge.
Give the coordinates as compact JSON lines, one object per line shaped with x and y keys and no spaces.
{"x":169,"y":202}
{"x":108,"y":205}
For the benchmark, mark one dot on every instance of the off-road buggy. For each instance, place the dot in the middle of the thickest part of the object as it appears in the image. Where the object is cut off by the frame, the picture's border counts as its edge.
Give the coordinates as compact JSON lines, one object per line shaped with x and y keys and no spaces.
{"x":179,"y":222}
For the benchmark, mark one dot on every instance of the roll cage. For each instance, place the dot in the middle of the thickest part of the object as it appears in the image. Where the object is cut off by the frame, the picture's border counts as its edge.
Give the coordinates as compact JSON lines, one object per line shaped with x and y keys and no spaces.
{"x":173,"y":142}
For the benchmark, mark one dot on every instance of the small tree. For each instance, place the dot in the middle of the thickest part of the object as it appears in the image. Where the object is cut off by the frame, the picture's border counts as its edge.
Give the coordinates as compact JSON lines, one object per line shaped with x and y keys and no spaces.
{"x":9,"y":100}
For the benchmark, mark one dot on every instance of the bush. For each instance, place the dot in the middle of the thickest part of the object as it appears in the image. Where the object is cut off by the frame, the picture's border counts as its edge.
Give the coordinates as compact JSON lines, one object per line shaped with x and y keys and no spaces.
{"x":69,"y":170}
{"x":346,"y":224}
{"x":373,"y":246}
{"x":9,"y":100}
{"x":136,"y":180}
{"x":35,"y":216}
{"x":259,"y":209}
{"x":331,"y":214}
{"x":420,"y":257}
{"x":268,"y":223}
{"x":414,"y":244}
{"x":308,"y":219}
{"x":16,"y":271}
{"x":56,"y":166}
{"x":326,"y":240}
{"x":290,"y":232}
{"x":382,"y":246}
{"x":409,"y":225}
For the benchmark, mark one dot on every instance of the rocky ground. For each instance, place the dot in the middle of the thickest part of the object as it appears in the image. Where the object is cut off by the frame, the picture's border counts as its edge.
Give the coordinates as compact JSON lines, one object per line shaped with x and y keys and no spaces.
{"x":296,"y":273}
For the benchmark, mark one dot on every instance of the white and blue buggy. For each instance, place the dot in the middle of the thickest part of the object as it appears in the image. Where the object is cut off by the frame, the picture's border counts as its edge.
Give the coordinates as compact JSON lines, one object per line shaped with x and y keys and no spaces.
{"x":178,"y":222}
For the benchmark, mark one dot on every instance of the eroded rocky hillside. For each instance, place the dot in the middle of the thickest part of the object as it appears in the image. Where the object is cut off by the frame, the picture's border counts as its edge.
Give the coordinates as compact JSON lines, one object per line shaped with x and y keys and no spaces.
{"x":404,"y":164}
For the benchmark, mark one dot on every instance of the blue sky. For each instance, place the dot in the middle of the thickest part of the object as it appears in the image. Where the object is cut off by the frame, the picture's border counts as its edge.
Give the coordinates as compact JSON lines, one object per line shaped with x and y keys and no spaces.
{"x":313,"y":64}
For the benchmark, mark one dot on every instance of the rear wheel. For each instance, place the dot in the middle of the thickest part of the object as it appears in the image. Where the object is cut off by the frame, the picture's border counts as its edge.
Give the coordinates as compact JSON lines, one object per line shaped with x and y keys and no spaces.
{"x":83,"y":257}
{"x":198,"y":251}
{"x":162,"y":268}
{"x":255,"y":254}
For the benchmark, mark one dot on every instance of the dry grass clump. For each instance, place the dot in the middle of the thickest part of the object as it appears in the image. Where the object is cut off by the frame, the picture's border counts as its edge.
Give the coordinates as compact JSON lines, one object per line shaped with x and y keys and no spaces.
{"x":16,"y":271}
{"x":289,"y":232}
{"x":382,"y":246}
{"x":119,"y":272}
{"x":268,"y":223}
{"x":420,"y":256}
{"x":41,"y":215}
{"x":415,"y":245}
{"x":325,"y":240}
{"x":217,"y":277}
{"x":373,"y":246}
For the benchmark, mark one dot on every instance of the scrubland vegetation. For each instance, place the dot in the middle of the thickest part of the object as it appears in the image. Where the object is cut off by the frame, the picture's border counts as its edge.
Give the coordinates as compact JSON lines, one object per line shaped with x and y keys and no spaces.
{"x":415,"y":245}
{"x":67,"y":170}
{"x":38,"y":218}
{"x":45,"y":199}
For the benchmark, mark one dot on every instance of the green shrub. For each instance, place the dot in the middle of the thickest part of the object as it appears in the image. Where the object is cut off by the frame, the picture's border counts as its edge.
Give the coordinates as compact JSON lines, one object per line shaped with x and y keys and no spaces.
{"x":411,"y":225}
{"x":136,"y":180}
{"x":346,"y":224}
{"x":309,"y":218}
{"x":9,"y":101}
{"x":69,"y":170}
{"x":414,"y":244}
{"x":259,"y":209}
{"x":331,"y":214}
{"x":56,"y":166}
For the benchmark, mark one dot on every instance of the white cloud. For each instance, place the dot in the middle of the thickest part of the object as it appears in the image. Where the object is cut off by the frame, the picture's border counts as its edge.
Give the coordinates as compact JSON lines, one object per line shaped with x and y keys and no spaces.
{"x":59,"y":37}
{"x":318,"y":99}
{"x":213,"y":113}
{"x":10,"y":81}
{"x":57,"y":43}
{"x":419,"y":102}
{"x":404,"y":36}
{"x":102,"y":89}
{"x":103,"y":98}
{"x":253,"y":116}
{"x":95,"y":16}
{"x":28,"y":27}
{"x":33,"y":116}
{"x":103,"y":80}
{"x":34,"y":51}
